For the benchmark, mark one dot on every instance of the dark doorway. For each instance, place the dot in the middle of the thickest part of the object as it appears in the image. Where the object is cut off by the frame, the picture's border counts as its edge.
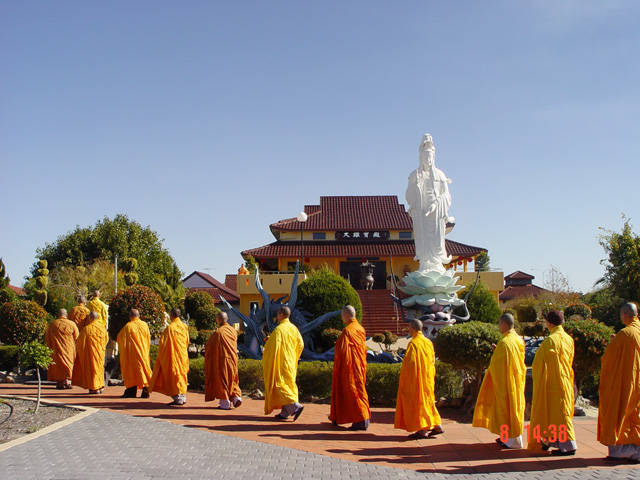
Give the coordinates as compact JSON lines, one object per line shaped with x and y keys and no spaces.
{"x":351,"y":272}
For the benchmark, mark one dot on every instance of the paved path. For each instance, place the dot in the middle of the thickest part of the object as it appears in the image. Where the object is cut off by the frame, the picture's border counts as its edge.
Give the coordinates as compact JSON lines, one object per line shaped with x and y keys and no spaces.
{"x":247,"y":444}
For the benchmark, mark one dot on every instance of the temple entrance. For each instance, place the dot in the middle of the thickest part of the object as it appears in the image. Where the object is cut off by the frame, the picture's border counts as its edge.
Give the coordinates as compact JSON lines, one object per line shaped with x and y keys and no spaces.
{"x":350,"y":270}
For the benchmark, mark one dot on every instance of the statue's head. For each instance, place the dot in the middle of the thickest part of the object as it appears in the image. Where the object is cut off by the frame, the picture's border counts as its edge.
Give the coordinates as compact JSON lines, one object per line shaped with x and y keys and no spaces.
{"x":427,"y":151}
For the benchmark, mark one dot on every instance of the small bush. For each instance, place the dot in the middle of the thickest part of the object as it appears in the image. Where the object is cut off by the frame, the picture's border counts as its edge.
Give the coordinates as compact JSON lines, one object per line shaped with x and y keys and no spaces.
{"x":382,"y":382}
{"x":591,"y":339}
{"x":153,"y":355}
{"x":250,"y":375}
{"x":142,"y":298}
{"x":314,"y":379}
{"x":195,"y":376}
{"x":22,"y":322}
{"x":526,"y":314}
{"x":202,"y":337}
{"x":201,"y":309}
{"x":579,"y":309}
{"x":193,"y":334}
{"x":9,"y":357}
{"x":448,"y":381}
{"x":330,"y":337}
{"x":482,"y":304}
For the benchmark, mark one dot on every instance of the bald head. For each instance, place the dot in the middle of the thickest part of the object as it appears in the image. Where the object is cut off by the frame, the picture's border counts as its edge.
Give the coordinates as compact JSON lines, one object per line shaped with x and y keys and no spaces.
{"x":175,"y":313}
{"x":284,"y":311}
{"x":348,"y":313}
{"x":133,"y":313}
{"x":62,"y":313}
{"x":93,"y":316}
{"x":222,"y":318}
{"x":82,"y":300}
{"x":506,"y":322}
{"x":96,"y":293}
{"x":628,"y":312}
{"x":415,"y":325}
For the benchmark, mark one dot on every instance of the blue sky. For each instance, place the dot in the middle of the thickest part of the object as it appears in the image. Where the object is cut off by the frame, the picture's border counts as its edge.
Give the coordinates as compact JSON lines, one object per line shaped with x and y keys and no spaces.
{"x":210,"y":120}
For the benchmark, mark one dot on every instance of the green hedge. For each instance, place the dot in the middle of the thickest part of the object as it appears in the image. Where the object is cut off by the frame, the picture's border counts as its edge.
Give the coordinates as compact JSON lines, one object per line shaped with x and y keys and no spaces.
{"x":9,"y":357}
{"x":314,"y":379}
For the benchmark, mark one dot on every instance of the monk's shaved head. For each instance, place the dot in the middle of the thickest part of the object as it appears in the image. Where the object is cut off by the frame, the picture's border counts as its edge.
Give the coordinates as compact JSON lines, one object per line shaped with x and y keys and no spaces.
{"x":284,"y":311}
{"x":416,"y":324}
{"x":62,"y":312}
{"x":508,"y":320}
{"x":94,"y":315}
{"x":133,"y":313}
{"x":82,"y":300}
{"x":175,"y":313}
{"x":629,"y":309}
{"x":222,"y":317}
{"x":349,"y":311}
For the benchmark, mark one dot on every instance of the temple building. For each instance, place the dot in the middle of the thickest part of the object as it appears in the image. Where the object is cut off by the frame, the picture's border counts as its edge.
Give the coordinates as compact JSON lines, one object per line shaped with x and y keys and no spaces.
{"x":519,"y":285}
{"x":343,"y":232}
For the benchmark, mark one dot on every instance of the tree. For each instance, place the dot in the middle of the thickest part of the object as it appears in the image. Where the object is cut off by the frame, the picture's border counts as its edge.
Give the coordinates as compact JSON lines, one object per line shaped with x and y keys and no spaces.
{"x":120,"y":236}
{"x":605,"y":307}
{"x":143,"y":299}
{"x":622,"y":265}
{"x":22,"y":321}
{"x":41,"y":279}
{"x":202,"y":310}
{"x":482,"y":262}
{"x":36,"y":355}
{"x":482,"y":304}
{"x":6,"y":294}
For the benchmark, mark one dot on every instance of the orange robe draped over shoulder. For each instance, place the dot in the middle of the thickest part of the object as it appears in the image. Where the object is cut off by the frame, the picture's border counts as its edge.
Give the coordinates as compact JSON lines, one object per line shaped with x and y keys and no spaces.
{"x":172,"y":365}
{"x":88,"y":370}
{"x":349,"y":399}
{"x":221,"y":364}
{"x":552,"y":401}
{"x":416,"y":403}
{"x":134,"y":343}
{"x":78,"y":315}
{"x":619,"y":413}
{"x":61,"y":336}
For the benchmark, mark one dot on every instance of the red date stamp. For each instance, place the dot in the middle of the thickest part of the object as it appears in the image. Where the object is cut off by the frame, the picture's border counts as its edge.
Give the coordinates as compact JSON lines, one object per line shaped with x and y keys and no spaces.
{"x":555,"y":433}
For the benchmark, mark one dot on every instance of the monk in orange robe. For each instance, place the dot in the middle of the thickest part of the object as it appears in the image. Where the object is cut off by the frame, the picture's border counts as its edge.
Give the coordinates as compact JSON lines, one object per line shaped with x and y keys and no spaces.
{"x":221,"y":365}
{"x":61,"y":336}
{"x":619,"y":413}
{"x":79,"y":313}
{"x":349,"y":399}
{"x":88,"y":370}
{"x":172,"y":365}
{"x":416,"y":404}
{"x":134,"y":342}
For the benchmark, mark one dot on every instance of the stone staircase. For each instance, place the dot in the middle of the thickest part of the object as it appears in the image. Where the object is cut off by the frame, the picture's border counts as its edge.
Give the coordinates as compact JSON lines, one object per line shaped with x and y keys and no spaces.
{"x":379,"y":314}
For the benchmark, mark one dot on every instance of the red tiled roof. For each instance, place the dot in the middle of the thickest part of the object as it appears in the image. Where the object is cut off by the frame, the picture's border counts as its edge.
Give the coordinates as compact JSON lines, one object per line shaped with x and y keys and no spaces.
{"x":17,"y":290}
{"x":521,"y":291}
{"x":217,"y":289}
{"x":231,"y":281}
{"x":518,"y":275}
{"x":397,"y":248}
{"x":380,"y":212}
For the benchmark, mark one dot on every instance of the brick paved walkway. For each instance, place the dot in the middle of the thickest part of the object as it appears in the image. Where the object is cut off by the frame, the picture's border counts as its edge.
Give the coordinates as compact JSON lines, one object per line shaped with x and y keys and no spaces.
{"x":381,"y":452}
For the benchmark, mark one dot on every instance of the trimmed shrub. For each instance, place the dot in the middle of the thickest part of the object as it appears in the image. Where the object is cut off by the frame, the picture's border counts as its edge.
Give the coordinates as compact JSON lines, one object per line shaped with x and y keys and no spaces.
{"x":202,"y":337}
{"x":591,"y":339}
{"x":201,"y":309}
{"x":382,"y":382}
{"x":330,"y":337}
{"x":324,"y":292}
{"x":579,"y":309}
{"x":314,"y":379}
{"x":468,"y":347}
{"x":250,"y":375}
{"x":153,"y":355}
{"x":195,"y":377}
{"x":526,"y":313}
{"x":193,"y":334}
{"x":482,"y":304}
{"x":448,"y":381}
{"x":9,"y":357}
{"x":142,"y":298}
{"x":22,"y":321}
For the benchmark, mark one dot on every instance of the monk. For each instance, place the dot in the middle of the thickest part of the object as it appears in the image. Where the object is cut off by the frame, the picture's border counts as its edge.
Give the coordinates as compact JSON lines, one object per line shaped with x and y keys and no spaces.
{"x":61,"y":336}
{"x":79,"y":313}
{"x":416,"y":404}
{"x":88,"y":370}
{"x":619,"y":413}
{"x":551,"y":422}
{"x":134,"y":343}
{"x":349,"y":399}
{"x":279,"y":368}
{"x":221,"y":365}
{"x":97,"y":305}
{"x":500,"y":404}
{"x":172,"y":365}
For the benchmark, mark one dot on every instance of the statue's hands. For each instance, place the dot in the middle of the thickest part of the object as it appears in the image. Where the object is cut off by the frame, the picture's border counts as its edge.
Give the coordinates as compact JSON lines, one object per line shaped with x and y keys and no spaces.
{"x":432,"y":208}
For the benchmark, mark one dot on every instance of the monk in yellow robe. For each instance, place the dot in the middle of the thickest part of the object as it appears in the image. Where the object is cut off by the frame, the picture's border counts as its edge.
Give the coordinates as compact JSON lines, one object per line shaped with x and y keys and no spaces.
{"x":172,"y":365}
{"x":79,"y":313}
{"x":221,"y":365}
{"x":619,"y":413}
{"x":551,"y":422}
{"x":61,"y":336}
{"x":349,"y":399}
{"x":279,"y":368}
{"x":88,"y":369}
{"x":500,"y":404}
{"x":134,"y":341}
{"x":97,"y":305}
{"x":416,"y":404}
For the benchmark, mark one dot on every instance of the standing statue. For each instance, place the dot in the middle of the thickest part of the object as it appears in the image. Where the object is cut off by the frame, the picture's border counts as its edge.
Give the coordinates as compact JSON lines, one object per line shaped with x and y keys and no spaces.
{"x":429,"y":201}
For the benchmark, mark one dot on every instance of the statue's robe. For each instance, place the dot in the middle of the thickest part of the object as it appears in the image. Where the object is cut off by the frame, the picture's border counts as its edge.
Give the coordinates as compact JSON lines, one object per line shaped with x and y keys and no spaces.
{"x":416,"y":406}
{"x":134,"y":343}
{"x":61,"y":336}
{"x":552,"y":401}
{"x":88,"y":370}
{"x":78,"y":315}
{"x":501,"y":404}
{"x":280,"y":365}
{"x":619,"y":412}
{"x":221,"y":365}
{"x":349,"y":399}
{"x":97,"y":305}
{"x":172,"y":365}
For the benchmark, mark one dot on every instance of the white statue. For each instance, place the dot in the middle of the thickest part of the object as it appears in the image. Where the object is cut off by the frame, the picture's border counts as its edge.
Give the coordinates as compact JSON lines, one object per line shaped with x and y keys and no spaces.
{"x":429,"y":200}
